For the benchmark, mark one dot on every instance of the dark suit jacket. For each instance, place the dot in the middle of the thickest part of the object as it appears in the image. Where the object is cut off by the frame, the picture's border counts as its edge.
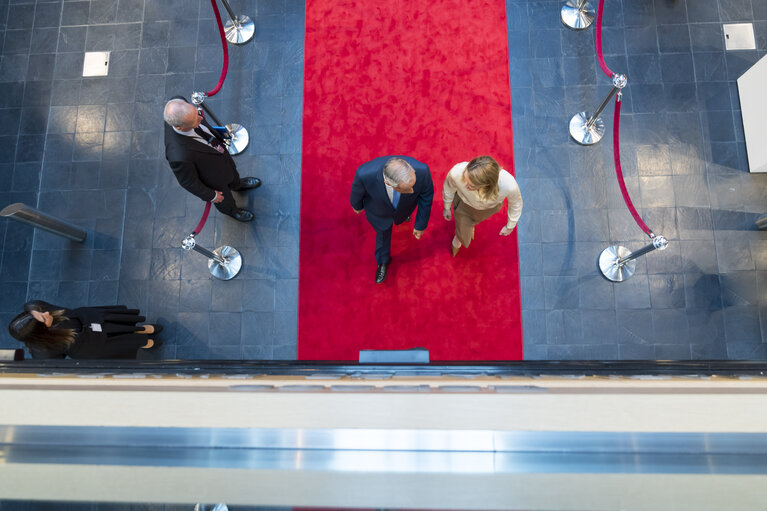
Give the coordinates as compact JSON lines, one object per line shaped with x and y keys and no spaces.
{"x":200,"y":169}
{"x":369,"y":193}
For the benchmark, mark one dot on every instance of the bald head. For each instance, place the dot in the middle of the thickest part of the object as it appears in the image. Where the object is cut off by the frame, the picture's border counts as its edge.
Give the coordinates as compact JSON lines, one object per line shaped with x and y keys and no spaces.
{"x":181,"y":115}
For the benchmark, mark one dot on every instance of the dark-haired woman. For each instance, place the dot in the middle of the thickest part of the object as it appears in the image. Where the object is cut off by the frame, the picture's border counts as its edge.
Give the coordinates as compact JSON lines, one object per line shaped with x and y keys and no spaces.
{"x":111,"y":331}
{"x":476,"y":191}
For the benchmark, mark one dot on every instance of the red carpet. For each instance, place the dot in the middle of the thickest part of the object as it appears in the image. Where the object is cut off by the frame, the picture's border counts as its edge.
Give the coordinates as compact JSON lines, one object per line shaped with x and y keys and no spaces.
{"x":429,"y":79}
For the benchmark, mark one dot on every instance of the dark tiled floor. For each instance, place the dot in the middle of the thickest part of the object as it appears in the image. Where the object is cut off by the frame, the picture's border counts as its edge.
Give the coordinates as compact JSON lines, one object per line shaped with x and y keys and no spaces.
{"x":90,"y":150}
{"x":683,"y":153}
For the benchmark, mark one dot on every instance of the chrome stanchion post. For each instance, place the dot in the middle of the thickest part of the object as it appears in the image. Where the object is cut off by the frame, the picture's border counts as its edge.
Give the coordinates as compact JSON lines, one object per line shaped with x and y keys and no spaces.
{"x":31,"y":216}
{"x":239,"y":29}
{"x":224,"y":263}
{"x":238,"y":134}
{"x":617,"y":263}
{"x":761,"y":222}
{"x":198,"y":97}
{"x":589,"y":129}
{"x":577,"y":14}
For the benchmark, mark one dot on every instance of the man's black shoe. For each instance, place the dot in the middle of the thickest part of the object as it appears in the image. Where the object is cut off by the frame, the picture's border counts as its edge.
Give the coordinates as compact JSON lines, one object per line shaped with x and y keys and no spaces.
{"x":247,"y":183}
{"x":243,"y":215}
{"x":381,"y":273}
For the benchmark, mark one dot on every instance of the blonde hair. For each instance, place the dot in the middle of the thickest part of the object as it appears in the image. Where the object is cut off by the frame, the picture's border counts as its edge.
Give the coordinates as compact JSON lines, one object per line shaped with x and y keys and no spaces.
{"x":483,"y":172}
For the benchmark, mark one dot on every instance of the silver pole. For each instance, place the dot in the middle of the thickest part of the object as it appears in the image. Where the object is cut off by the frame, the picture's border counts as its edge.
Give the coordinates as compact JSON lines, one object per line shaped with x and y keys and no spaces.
{"x":589,"y":129}
{"x":36,"y":218}
{"x":602,"y":106}
{"x":577,"y":15}
{"x":239,"y":29}
{"x":224,"y":263}
{"x":210,"y":255}
{"x":761,"y":222}
{"x":211,"y":114}
{"x":617,"y":263}
{"x":644,"y":250}
{"x":229,"y":10}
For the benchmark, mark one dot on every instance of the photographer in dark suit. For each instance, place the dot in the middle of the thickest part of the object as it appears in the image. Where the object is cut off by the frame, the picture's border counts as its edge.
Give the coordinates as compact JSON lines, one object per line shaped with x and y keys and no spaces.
{"x":389,"y":188}
{"x":199,"y":159}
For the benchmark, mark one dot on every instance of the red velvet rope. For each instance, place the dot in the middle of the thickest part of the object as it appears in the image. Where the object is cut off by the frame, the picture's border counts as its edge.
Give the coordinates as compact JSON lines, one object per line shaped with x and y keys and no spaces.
{"x":601,"y":58}
{"x":225,"y":67}
{"x":619,"y":171}
{"x":204,"y":219}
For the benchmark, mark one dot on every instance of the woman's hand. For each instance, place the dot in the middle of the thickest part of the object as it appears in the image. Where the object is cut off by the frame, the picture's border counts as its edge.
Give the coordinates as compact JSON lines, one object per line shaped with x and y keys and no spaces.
{"x":506,"y":231}
{"x":447,"y":214}
{"x":43,"y":317}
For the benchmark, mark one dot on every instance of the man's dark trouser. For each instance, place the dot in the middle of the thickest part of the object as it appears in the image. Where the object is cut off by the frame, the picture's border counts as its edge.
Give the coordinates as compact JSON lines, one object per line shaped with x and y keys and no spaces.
{"x":383,"y":246}
{"x":228,"y":206}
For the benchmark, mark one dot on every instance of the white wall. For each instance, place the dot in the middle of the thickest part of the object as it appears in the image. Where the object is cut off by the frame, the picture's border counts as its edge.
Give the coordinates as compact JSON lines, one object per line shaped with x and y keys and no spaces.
{"x":752,"y":88}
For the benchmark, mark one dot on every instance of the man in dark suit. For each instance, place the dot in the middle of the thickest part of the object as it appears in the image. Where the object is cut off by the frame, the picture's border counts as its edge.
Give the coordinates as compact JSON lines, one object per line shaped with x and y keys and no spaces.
{"x":200,"y":161}
{"x":389,"y":189}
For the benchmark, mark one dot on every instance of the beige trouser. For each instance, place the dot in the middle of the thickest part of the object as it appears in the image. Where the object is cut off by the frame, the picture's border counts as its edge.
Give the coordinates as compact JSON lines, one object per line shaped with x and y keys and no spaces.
{"x":467,"y":217}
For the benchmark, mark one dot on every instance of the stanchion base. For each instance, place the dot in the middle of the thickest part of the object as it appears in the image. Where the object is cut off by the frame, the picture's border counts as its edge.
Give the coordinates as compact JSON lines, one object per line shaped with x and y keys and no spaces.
{"x":240,"y":138}
{"x":240,"y":32}
{"x":577,"y":19}
{"x":608,"y":260}
{"x":233,"y":264}
{"x":583,"y":134}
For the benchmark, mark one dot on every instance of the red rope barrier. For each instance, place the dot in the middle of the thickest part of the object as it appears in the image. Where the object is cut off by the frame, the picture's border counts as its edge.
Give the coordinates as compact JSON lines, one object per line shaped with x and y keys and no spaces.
{"x":619,"y":171}
{"x":204,"y":219}
{"x":225,"y":67}
{"x":601,"y":58}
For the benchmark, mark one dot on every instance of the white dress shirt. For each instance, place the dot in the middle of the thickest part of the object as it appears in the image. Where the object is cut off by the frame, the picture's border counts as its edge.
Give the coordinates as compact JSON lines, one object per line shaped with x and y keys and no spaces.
{"x":194,"y":135}
{"x":389,"y":191}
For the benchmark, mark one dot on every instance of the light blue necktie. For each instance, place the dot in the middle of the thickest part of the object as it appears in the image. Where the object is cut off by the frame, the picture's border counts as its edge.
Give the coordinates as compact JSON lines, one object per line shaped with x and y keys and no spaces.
{"x":395,"y":199}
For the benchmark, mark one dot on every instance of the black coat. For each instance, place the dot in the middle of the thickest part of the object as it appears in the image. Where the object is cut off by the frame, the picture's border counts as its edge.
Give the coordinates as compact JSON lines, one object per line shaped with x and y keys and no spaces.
{"x":199,"y":168}
{"x":117,"y":338}
{"x":369,"y":193}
